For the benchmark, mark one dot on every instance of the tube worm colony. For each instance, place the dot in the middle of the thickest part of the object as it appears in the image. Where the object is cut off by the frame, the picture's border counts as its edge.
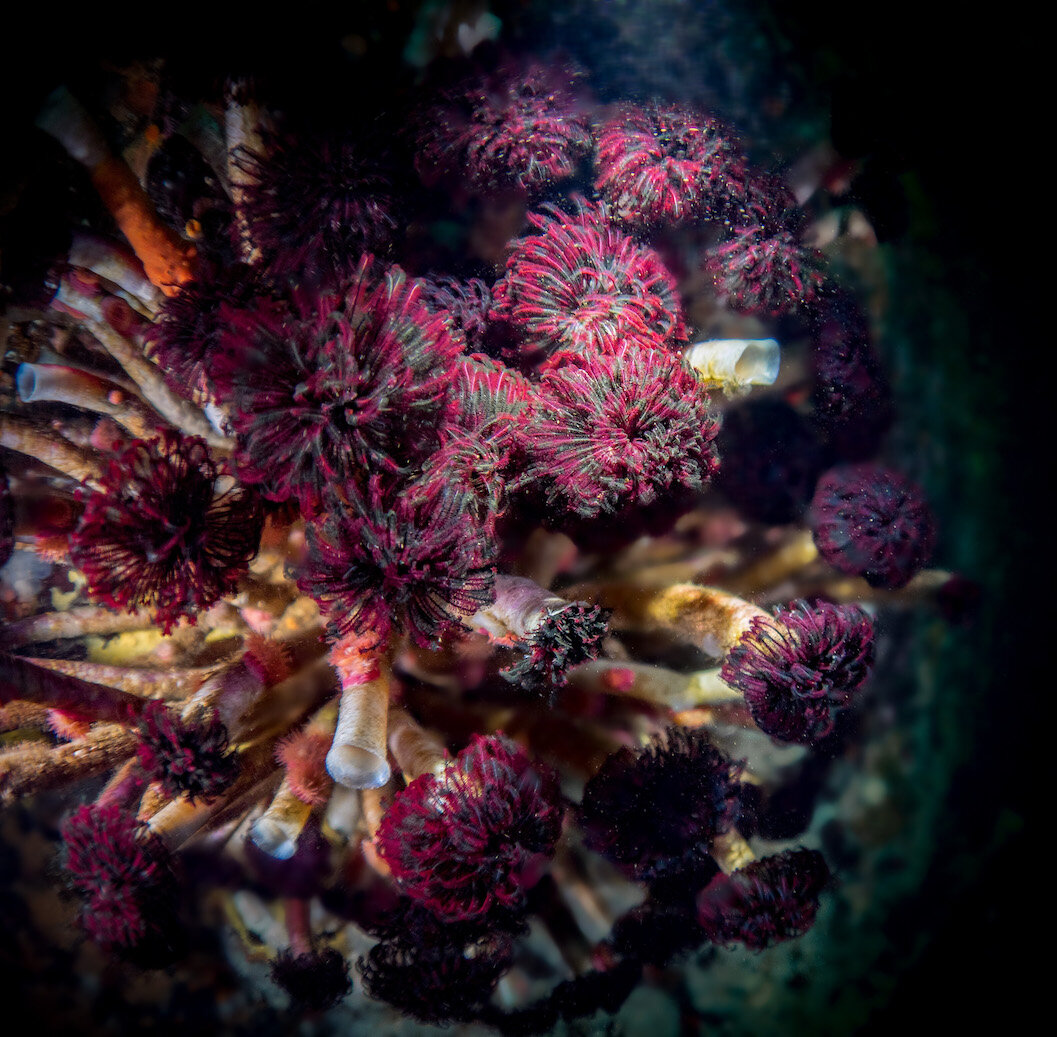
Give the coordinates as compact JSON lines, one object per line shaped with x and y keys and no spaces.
{"x":409,"y":579}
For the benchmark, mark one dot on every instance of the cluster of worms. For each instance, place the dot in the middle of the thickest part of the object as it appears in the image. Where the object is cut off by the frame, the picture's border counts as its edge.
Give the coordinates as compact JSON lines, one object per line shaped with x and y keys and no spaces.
{"x":449,"y":607}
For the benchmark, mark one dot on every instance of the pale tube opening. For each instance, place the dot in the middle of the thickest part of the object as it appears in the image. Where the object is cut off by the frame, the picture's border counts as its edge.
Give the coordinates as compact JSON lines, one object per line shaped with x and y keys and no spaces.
{"x":54,"y":383}
{"x":357,"y":757}
{"x":735,"y":363}
{"x":272,"y":838}
{"x":277,"y":830}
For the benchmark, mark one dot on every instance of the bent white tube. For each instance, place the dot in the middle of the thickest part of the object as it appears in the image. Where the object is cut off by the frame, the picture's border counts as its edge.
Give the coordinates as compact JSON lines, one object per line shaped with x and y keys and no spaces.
{"x":148,"y":377}
{"x":117,"y":265}
{"x":735,"y":364}
{"x":519,"y":607}
{"x":66,"y":119}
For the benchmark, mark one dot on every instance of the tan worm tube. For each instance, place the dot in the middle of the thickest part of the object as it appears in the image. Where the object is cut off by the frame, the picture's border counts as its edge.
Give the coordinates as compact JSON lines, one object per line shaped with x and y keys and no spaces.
{"x":123,"y":787}
{"x":38,"y":441}
{"x":56,"y":383}
{"x":242,"y":130}
{"x":77,"y":622}
{"x":924,"y":587}
{"x":782,"y":564}
{"x":374,"y":803}
{"x":277,"y":830}
{"x":37,"y":767}
{"x":160,"y":684}
{"x":706,"y":616}
{"x":415,"y":750}
{"x":343,"y":812}
{"x":154,"y":798}
{"x":20,"y":713}
{"x":151,"y":383}
{"x":707,"y":688}
{"x":656,"y":684}
{"x":357,"y":758}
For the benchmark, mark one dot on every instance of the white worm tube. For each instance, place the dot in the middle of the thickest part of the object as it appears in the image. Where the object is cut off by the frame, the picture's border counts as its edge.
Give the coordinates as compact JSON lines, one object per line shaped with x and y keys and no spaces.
{"x":357,"y":757}
{"x":150,"y":381}
{"x":120,"y":267}
{"x":520,"y":606}
{"x":56,"y":383}
{"x":255,"y":917}
{"x":735,"y":364}
{"x":66,"y":119}
{"x":343,"y":812}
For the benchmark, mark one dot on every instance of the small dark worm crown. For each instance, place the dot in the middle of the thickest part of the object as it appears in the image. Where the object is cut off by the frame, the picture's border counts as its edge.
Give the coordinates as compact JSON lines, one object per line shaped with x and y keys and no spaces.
{"x":316,"y":980}
{"x":337,"y":386}
{"x":763,"y":267}
{"x":767,"y":901}
{"x":799,"y":669}
{"x":446,"y":977}
{"x":517,"y":128}
{"x":319,"y":200}
{"x":123,"y":875}
{"x":190,"y":327}
{"x":666,"y":164}
{"x":654,"y":812}
{"x":187,"y":758}
{"x":871,"y":522}
{"x":412,"y":561}
{"x":567,"y":637}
